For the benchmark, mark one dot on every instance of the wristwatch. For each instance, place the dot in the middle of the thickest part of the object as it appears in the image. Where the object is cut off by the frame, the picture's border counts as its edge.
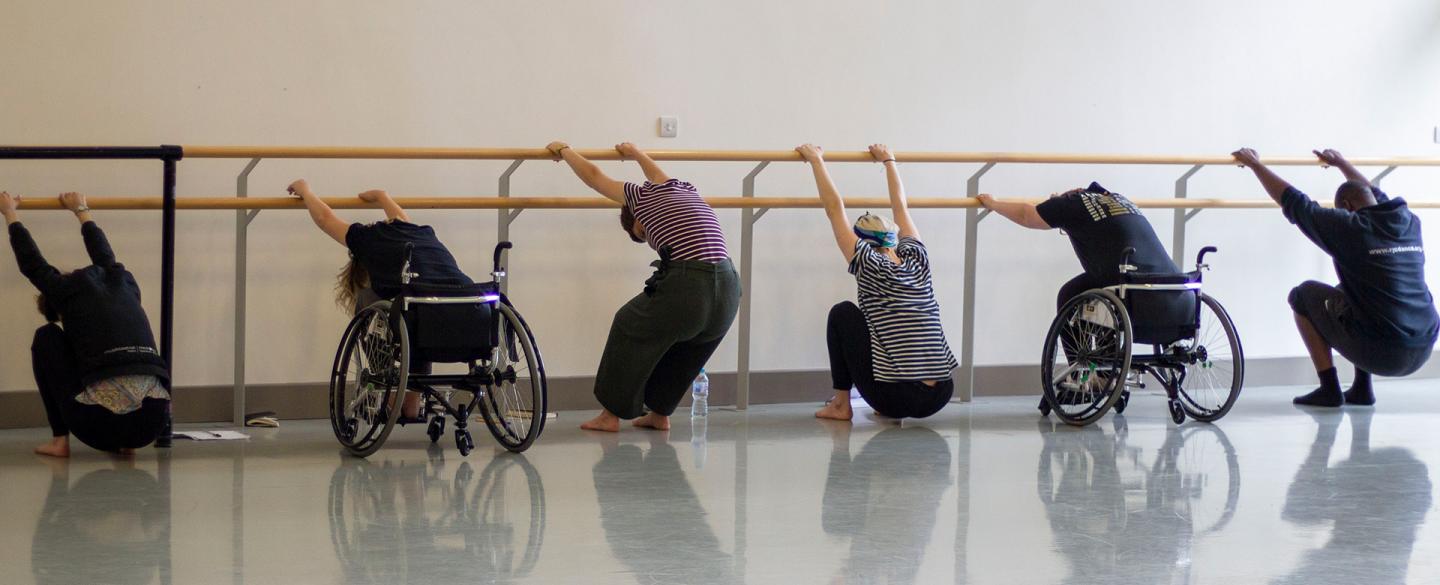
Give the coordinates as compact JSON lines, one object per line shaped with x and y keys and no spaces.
{"x":82,"y":208}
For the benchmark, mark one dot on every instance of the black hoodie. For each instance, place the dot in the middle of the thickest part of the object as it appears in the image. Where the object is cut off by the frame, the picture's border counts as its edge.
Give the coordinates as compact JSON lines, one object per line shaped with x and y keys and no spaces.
{"x":1380,"y":259}
{"x":99,"y":307}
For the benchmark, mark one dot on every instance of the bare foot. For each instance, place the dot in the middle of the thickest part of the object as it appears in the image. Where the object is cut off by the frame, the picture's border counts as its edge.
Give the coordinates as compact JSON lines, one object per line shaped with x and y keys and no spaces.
{"x":57,"y":447}
{"x":838,"y":408}
{"x":653,"y":421}
{"x":604,"y":421}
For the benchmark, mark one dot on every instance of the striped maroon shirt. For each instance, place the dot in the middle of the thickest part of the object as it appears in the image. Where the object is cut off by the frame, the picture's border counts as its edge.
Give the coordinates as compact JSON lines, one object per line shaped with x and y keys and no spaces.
{"x":673,"y":214}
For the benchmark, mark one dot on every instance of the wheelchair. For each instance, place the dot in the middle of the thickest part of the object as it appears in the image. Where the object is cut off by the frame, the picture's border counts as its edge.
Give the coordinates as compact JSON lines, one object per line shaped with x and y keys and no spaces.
{"x":1088,"y":366}
{"x":475,"y":325}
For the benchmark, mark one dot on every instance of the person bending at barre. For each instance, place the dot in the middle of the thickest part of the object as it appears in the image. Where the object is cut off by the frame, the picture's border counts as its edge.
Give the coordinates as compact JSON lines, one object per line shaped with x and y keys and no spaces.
{"x":1381,"y":317}
{"x":1101,"y":225}
{"x":99,"y":374}
{"x":892,"y":346}
{"x":660,"y":339}
{"x":377,"y":255}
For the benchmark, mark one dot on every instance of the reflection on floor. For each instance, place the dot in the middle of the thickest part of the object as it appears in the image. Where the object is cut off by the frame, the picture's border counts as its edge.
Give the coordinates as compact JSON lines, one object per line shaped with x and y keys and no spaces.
{"x":982,"y":493}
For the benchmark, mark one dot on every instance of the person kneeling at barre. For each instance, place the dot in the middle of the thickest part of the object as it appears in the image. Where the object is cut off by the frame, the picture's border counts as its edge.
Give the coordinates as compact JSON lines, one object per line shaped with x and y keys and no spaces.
{"x":1381,"y":317}
{"x":1101,"y":226}
{"x":99,"y":374}
{"x":660,"y":340}
{"x":891,"y":347}
{"x":377,"y":255}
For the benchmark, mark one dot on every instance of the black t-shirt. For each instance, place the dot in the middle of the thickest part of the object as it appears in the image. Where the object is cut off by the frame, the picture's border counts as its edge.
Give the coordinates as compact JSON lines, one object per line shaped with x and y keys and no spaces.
{"x":1380,"y":258}
{"x":1101,"y":225}
{"x":380,"y":248}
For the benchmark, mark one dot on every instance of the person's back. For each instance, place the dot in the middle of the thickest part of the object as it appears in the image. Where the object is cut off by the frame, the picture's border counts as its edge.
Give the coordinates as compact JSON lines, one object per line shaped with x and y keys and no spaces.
{"x":1101,"y":225}
{"x":1380,"y":257}
{"x":380,"y":247}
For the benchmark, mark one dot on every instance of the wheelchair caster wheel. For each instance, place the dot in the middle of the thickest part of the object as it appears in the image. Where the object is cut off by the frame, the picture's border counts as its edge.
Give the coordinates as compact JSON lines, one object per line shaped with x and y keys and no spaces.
{"x":436,"y":429}
{"x":463,"y":442}
{"x":1122,"y":402}
{"x":349,"y":429}
{"x":1177,"y":413}
{"x":1044,"y":407}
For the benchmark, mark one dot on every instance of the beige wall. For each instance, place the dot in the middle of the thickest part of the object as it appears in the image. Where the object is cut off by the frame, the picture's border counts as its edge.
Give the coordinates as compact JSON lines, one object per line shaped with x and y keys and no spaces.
{"x":1120,"y":76}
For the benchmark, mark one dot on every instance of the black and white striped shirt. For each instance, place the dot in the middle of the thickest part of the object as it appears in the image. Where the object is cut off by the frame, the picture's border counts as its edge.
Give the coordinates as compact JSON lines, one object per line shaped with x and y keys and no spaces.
{"x":673,"y":214}
{"x":907,"y":341}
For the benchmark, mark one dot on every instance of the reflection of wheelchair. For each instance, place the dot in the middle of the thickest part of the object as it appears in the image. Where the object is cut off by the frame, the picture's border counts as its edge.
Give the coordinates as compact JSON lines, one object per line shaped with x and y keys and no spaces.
{"x":1116,"y":511}
{"x":471,"y":324}
{"x":403,"y":522}
{"x":1088,"y":367}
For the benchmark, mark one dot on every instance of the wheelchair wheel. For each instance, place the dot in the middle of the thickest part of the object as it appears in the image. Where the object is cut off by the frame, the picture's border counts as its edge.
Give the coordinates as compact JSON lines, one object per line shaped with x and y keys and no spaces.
{"x":367,"y":383}
{"x":1213,"y":380}
{"x":514,"y":405}
{"x":1086,"y":357}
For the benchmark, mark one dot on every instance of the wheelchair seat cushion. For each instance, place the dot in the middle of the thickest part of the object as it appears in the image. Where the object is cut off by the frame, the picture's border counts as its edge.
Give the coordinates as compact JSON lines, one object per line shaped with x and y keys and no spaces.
{"x":458,"y":332}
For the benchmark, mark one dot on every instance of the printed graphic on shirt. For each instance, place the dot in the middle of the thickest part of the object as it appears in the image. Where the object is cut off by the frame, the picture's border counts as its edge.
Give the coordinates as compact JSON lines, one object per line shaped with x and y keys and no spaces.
{"x":1107,"y":205}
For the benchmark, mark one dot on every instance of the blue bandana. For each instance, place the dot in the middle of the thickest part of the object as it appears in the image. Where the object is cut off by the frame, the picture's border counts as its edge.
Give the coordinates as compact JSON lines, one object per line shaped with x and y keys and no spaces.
{"x":879,"y":239}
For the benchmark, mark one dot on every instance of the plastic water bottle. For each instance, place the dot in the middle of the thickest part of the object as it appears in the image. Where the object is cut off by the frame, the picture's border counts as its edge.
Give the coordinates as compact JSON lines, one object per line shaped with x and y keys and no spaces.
{"x":700,"y":395}
{"x":699,"y":443}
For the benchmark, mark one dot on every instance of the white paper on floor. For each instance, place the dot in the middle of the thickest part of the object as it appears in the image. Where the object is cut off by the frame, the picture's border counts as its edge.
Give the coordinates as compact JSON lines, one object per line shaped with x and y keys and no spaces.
{"x":211,"y":435}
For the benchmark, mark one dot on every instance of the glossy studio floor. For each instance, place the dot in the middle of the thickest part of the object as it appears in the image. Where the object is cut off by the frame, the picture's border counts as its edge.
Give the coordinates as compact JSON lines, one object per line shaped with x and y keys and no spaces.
{"x":983,"y":493}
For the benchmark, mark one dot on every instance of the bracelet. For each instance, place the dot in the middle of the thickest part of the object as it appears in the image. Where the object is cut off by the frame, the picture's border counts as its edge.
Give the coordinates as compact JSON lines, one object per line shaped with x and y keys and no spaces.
{"x":887,"y":160}
{"x":82,"y":209}
{"x":562,"y":149}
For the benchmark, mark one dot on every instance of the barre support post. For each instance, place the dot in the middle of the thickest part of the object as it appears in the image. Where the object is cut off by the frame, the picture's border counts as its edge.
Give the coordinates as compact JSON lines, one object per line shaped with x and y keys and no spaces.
{"x":170,"y":156}
{"x":748,"y":217}
{"x":973,"y":217}
{"x":242,"y":252}
{"x":1182,"y":191}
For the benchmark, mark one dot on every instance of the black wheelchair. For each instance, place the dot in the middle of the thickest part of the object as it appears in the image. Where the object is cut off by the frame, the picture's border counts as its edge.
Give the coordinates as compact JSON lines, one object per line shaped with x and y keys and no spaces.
{"x":388,"y":347}
{"x":1088,"y":366}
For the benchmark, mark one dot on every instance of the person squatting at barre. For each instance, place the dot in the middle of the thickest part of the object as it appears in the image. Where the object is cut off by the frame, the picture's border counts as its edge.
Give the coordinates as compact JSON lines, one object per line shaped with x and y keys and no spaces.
{"x":99,"y":374}
{"x":1101,"y":226}
{"x":1382,"y":317}
{"x":377,"y":255}
{"x":891,"y":347}
{"x":660,"y":340}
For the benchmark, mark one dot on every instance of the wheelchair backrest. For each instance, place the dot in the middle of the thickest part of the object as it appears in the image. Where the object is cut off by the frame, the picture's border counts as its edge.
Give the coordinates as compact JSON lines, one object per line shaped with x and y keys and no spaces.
{"x":1161,"y":317}
{"x":451,"y":323}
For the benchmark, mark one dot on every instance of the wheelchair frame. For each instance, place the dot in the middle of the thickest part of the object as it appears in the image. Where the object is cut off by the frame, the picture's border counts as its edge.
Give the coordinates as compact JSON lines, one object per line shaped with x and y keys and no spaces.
{"x":482,"y":381}
{"x":1166,"y":367}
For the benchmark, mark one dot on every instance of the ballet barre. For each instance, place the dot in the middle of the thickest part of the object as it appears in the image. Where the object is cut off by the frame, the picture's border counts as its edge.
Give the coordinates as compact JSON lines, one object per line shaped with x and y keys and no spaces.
{"x":752,"y":208}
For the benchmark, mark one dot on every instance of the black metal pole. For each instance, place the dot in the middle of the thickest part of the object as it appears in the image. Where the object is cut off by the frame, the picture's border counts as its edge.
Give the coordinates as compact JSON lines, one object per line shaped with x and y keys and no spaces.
{"x":167,"y":283}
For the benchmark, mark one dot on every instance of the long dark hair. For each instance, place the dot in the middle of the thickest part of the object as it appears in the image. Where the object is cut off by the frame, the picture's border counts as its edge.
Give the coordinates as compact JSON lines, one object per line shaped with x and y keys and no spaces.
{"x":352,"y":279}
{"x":627,"y":221}
{"x":43,"y":305}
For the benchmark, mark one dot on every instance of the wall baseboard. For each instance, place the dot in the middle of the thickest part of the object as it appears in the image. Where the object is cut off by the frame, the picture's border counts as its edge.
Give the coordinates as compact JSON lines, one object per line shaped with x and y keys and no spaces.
{"x":197,"y":404}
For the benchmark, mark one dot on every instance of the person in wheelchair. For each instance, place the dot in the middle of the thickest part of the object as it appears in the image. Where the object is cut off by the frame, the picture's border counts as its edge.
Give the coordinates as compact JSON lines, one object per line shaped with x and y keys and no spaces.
{"x":96,"y":366}
{"x":1382,"y":317}
{"x":891,"y":347}
{"x":377,"y":255}
{"x":1102,"y":227}
{"x":660,"y":340}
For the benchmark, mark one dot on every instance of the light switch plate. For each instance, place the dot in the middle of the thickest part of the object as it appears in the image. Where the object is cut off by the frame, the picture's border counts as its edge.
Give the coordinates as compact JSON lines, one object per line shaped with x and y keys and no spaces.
{"x":669,"y":126}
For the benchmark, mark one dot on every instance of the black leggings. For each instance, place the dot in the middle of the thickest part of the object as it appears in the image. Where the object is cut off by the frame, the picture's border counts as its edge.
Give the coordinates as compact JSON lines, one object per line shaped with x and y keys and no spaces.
{"x":851,"y":365}
{"x":58,"y":378}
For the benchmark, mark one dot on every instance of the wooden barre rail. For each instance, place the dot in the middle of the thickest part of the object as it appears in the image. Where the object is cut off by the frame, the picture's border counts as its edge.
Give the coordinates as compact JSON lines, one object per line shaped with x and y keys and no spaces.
{"x":431,"y":153}
{"x":233,"y":203}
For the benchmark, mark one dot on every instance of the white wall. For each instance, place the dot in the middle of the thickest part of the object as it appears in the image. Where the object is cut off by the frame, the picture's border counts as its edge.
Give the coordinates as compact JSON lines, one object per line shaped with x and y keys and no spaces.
{"x":1094,"y":77}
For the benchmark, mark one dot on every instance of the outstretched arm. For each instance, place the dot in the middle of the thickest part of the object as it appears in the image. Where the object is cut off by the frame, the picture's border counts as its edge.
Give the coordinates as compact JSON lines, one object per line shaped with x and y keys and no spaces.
{"x":320,"y":213}
{"x":653,"y":173}
{"x":95,"y":243}
{"x":1274,"y":185}
{"x":590,"y":174}
{"x":845,"y":237}
{"x":393,"y":211}
{"x":1333,"y":158}
{"x":27,"y":254}
{"x":899,"y":206}
{"x":1023,"y":214}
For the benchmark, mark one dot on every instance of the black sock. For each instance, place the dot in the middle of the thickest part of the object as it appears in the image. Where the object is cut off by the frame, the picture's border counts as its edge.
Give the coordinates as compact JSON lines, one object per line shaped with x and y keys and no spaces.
{"x":1328,"y":394}
{"x":1360,"y":392}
